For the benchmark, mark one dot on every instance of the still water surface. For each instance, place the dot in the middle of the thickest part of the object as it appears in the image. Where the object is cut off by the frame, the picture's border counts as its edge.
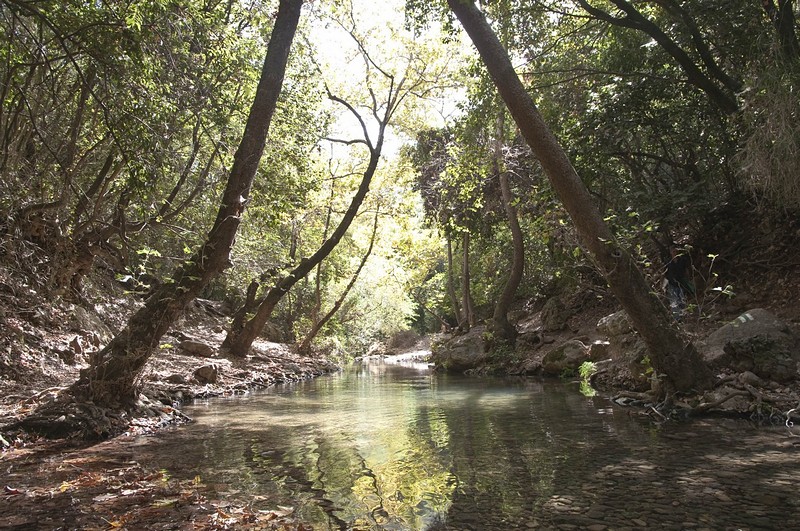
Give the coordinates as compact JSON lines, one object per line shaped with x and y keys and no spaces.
{"x":392,"y":446}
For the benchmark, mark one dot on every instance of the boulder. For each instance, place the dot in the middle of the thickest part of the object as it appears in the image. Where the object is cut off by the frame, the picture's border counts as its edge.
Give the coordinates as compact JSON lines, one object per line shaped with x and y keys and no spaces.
{"x":565,"y":359}
{"x":756,"y":341}
{"x":554,"y":315}
{"x":599,"y":350}
{"x":614,"y":325}
{"x":191,"y":347}
{"x":206,"y":374}
{"x":82,"y":320}
{"x":461,"y":353}
{"x":274,"y":333}
{"x":176,"y":379}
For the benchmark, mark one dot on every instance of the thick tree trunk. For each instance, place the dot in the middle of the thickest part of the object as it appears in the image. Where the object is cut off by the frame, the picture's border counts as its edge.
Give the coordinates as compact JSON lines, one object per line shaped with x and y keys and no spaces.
{"x":671,"y":354}
{"x":112,"y":378}
{"x":503,"y":330}
{"x":782,"y":18}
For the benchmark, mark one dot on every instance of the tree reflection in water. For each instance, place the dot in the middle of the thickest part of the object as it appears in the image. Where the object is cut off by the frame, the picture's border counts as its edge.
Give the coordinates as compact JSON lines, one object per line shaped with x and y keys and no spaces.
{"x":390,"y":447}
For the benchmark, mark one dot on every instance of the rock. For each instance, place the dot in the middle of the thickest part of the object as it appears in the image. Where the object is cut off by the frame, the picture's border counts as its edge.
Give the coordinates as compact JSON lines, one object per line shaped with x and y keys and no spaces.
{"x":191,"y":347}
{"x":751,"y":379}
{"x":75,"y":345}
{"x":176,"y":379}
{"x":756,"y":341}
{"x":529,"y":366}
{"x":274,"y":333}
{"x":599,"y":350}
{"x":565,"y":359}
{"x":554,"y":315}
{"x":529,"y":339}
{"x":83,"y":320}
{"x":461,"y":353}
{"x":765,"y":356}
{"x":206,"y":374}
{"x":614,"y":325}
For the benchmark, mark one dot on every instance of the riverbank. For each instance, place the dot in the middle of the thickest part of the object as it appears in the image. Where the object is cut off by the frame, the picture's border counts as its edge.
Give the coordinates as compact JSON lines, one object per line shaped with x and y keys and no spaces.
{"x":44,"y":355}
{"x":74,"y":484}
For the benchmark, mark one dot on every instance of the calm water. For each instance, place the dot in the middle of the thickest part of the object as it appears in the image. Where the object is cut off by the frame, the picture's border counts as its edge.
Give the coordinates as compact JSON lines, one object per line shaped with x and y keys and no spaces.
{"x":386,"y":446}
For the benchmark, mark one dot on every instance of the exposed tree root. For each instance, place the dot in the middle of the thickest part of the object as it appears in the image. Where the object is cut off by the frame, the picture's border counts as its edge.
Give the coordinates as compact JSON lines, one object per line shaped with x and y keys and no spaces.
{"x":759,"y":407}
{"x":67,"y":417}
{"x":705,"y":406}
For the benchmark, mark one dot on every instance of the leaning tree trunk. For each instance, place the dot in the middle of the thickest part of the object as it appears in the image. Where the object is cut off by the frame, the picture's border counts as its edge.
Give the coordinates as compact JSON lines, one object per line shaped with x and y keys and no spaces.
{"x":113,"y":374}
{"x":670,"y":353}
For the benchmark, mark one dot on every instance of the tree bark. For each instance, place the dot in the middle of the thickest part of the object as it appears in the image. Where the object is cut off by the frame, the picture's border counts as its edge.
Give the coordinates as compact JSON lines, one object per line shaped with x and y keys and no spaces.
{"x":671,"y":354}
{"x":466,"y":292}
{"x":112,"y":377}
{"x":503,"y":330}
{"x":451,"y":286}
{"x":782,"y":18}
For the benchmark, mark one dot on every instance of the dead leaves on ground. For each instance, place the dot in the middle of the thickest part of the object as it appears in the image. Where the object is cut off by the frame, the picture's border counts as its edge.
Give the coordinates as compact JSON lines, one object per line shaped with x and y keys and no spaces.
{"x":128,"y":497}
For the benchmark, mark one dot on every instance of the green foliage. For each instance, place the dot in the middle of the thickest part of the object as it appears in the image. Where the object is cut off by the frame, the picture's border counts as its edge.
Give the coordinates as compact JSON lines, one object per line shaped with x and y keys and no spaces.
{"x":770,"y":158}
{"x":647,"y":367}
{"x":712,"y":291}
{"x":119,"y":122}
{"x":587,"y":369}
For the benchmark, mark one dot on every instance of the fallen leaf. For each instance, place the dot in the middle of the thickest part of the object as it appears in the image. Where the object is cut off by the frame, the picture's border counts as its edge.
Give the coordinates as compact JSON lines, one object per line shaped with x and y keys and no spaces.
{"x":11,"y":491}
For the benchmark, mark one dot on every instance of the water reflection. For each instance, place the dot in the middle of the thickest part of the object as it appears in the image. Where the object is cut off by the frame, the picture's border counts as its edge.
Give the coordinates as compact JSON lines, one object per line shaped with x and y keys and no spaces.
{"x":389,"y":446}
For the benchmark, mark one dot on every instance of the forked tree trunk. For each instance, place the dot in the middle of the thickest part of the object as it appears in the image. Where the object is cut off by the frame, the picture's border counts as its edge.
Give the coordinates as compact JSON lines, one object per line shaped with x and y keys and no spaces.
{"x":671,"y":354}
{"x":239,"y":340}
{"x":305,"y":344}
{"x":112,"y":377}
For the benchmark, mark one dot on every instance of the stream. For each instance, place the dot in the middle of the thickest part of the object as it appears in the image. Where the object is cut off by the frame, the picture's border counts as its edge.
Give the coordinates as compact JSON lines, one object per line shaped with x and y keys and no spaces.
{"x":386,"y":445}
